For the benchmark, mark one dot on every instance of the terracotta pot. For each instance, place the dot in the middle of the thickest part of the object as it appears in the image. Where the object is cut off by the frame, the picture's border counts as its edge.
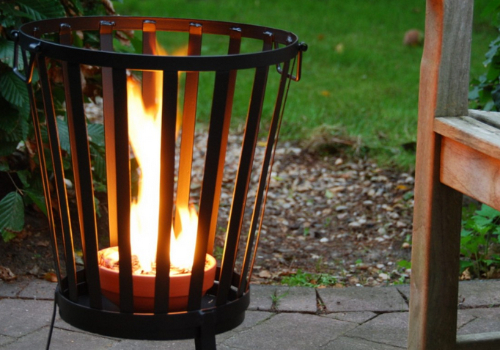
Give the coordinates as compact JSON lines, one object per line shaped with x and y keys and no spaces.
{"x":144,"y":286}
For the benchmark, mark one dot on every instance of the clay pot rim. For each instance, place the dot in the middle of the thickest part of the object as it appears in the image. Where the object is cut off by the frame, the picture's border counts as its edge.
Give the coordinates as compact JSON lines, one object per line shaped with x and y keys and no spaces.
{"x":211,"y":263}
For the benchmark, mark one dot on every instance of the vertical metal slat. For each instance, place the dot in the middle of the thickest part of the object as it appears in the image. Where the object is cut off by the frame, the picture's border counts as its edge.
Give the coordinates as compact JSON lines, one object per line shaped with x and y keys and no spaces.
{"x":106,"y":36}
{"x":234,"y":48}
{"x":210,"y":176}
{"x":242,"y":182}
{"x":43,"y":171}
{"x":82,"y":172}
{"x":259,"y":206}
{"x":123,"y":195}
{"x":167,"y":173}
{"x":149,"y":93}
{"x":231,"y":244}
{"x":188,"y":128}
{"x":59,"y":178}
{"x":247,"y":153}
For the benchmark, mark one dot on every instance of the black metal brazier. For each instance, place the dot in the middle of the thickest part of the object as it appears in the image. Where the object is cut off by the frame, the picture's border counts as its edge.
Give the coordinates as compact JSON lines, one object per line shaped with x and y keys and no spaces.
{"x":54,"y":43}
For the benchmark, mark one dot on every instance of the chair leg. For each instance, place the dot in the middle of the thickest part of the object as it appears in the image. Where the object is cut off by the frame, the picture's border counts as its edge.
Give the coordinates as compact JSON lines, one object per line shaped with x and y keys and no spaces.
{"x":435,"y":261}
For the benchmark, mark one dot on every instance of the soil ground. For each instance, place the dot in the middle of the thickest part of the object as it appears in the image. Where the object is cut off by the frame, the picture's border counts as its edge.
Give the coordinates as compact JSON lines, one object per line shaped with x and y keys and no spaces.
{"x":349,"y":219}
{"x":325,"y":214}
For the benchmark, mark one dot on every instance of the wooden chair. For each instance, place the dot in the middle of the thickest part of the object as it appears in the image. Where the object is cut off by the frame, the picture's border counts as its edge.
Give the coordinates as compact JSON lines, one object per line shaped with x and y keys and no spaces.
{"x":458,"y":152}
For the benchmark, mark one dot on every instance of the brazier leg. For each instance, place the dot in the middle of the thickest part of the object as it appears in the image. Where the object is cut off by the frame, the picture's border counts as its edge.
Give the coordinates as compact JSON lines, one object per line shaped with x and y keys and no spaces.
{"x":205,"y":339}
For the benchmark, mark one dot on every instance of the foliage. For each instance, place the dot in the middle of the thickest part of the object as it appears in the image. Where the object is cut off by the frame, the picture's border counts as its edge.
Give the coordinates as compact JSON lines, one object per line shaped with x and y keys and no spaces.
{"x":403,"y":271}
{"x":15,"y":129}
{"x":12,"y":218}
{"x":18,"y":158}
{"x":404,"y":264}
{"x":479,"y":242}
{"x":479,"y":236}
{"x":305,"y":279}
{"x":276,"y":298}
{"x":485,"y":90}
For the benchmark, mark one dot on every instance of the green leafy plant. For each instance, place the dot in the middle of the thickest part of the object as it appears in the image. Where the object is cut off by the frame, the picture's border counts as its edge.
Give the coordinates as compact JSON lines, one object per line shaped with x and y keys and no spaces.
{"x":20,"y":180}
{"x":16,"y":155}
{"x":305,"y":279}
{"x":404,"y":264}
{"x":275,"y":298}
{"x":485,"y":90}
{"x":479,"y":235}
{"x":401,"y":274}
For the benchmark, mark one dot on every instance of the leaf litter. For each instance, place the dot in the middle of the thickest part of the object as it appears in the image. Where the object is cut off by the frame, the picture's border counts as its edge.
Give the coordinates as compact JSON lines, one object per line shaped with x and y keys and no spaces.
{"x":329,"y":214}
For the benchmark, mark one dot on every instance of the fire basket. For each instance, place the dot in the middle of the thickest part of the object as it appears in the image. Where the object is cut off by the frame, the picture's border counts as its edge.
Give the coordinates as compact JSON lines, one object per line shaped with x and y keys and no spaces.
{"x":137,"y":280}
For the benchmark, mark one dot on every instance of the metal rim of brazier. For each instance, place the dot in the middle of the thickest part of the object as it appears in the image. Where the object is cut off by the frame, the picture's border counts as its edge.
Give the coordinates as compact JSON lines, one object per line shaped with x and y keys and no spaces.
{"x":28,"y":39}
{"x":78,"y":294}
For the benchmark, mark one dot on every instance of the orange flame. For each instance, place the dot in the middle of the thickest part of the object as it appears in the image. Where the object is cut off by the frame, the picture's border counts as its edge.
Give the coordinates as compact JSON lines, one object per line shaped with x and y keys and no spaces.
{"x":145,"y":138}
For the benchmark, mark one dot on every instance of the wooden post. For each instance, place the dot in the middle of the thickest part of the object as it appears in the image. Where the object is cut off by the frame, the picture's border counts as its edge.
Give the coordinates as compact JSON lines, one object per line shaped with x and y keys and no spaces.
{"x":444,"y":78}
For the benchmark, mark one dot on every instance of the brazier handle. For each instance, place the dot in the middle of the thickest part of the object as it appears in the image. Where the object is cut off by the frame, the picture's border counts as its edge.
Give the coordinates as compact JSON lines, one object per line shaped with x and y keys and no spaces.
{"x":34,"y":48}
{"x":302,"y":48}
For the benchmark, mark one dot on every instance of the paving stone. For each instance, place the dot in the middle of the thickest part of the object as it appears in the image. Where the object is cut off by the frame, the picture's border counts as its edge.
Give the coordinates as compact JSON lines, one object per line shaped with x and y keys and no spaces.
{"x":261,"y":297}
{"x":11,"y":289}
{"x":389,"y":328}
{"x":225,"y":347}
{"x":24,"y":323}
{"x":60,"y":323}
{"x":463,"y":319}
{"x":20,"y":317}
{"x":472,"y":293}
{"x":346,"y":343}
{"x":484,"y":320}
{"x":295,"y":299}
{"x":39,"y":289}
{"x":154,"y":345}
{"x":252,"y":318}
{"x":167,"y":345}
{"x":62,"y":340}
{"x":5,"y":340}
{"x":392,"y":328}
{"x":479,"y":293}
{"x":356,"y":317}
{"x":381,"y":299}
{"x":291,"y":331}
{"x":405,"y":290}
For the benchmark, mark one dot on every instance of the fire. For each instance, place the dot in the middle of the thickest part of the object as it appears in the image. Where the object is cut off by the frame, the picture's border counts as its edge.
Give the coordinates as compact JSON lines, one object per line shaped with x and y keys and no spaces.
{"x":144,"y":135}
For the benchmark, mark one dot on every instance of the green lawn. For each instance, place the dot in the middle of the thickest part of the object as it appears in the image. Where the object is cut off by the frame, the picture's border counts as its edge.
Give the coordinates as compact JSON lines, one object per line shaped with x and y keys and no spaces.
{"x":357,"y":74}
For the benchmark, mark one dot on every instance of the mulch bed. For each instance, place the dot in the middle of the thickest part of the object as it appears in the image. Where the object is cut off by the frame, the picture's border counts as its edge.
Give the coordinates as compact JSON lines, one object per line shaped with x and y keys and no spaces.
{"x":329,"y":214}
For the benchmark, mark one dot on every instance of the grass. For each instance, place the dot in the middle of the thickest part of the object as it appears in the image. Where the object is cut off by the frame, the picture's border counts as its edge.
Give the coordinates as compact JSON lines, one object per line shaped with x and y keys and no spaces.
{"x":357,"y":74}
{"x":304,"y":279}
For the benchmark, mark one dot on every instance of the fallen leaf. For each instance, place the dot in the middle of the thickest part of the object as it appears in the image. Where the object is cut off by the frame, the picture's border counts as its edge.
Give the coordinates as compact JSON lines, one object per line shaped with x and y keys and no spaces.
{"x":493,"y":273}
{"x":353,"y":280}
{"x":34,"y":270}
{"x":43,"y":244}
{"x":383,"y":276}
{"x":466,"y":276}
{"x":265,"y":274}
{"x":50,"y":276}
{"x":6,"y":274}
